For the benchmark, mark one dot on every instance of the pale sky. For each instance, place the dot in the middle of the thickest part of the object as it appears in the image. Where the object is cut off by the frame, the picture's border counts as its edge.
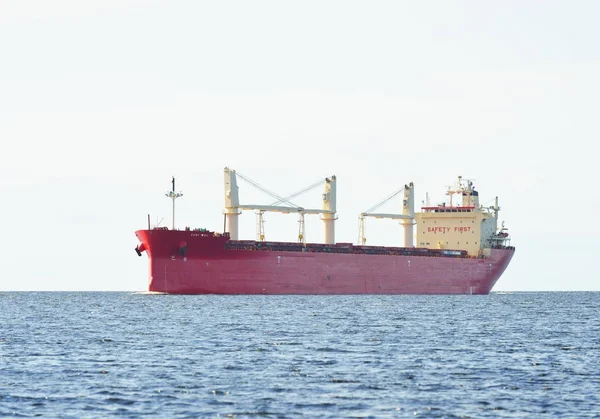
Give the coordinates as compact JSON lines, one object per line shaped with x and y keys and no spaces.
{"x":101,"y":102}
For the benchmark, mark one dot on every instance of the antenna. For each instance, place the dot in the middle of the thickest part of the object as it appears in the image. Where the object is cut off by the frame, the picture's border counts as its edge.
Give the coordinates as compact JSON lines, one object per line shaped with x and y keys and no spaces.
{"x":173,"y":195}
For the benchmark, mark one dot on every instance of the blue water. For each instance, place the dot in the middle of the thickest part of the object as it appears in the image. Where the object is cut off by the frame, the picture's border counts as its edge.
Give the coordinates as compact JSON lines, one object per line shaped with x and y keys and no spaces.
{"x":125,"y":354}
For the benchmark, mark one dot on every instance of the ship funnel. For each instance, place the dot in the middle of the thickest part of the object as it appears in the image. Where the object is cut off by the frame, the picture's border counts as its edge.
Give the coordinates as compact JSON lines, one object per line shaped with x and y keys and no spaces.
{"x":470,"y":197}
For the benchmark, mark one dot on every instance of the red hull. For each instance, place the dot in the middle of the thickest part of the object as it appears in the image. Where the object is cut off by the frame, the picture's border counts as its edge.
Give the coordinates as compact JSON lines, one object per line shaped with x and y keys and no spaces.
{"x":191,"y":262}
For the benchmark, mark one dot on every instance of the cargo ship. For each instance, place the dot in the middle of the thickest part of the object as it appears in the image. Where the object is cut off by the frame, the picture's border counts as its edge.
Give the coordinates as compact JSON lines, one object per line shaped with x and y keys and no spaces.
{"x":459,"y":248}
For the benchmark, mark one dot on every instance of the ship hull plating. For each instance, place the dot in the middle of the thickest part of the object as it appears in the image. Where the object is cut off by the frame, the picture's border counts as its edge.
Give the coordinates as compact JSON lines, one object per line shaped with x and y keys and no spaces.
{"x":184,"y":262}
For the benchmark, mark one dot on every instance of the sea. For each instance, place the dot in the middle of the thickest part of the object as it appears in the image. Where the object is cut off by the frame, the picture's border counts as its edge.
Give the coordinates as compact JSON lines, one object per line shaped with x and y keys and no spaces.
{"x":135,"y":354}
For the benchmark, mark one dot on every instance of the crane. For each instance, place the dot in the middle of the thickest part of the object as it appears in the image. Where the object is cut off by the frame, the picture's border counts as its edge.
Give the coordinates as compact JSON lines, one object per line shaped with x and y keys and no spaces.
{"x":233,"y":207}
{"x":407,"y":217}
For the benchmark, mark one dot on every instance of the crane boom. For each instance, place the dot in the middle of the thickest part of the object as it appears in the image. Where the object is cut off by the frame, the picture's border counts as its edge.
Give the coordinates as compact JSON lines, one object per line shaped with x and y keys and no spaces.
{"x":282,"y":209}
{"x":407,"y":216}
{"x":385,"y":200}
{"x":301,"y":191}
{"x":390,"y":216}
{"x":233,"y":208}
{"x":267,"y":191}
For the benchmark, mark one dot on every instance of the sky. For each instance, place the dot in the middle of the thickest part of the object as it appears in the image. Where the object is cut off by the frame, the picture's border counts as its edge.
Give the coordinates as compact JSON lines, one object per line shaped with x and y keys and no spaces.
{"x":102,"y":102}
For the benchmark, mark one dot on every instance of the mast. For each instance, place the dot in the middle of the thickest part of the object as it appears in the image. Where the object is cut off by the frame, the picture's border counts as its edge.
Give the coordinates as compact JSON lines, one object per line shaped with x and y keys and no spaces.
{"x":173,"y":195}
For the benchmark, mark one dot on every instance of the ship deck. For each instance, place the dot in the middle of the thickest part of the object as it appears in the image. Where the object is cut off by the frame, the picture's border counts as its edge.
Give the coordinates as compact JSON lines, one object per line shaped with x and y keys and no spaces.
{"x":349,"y":248}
